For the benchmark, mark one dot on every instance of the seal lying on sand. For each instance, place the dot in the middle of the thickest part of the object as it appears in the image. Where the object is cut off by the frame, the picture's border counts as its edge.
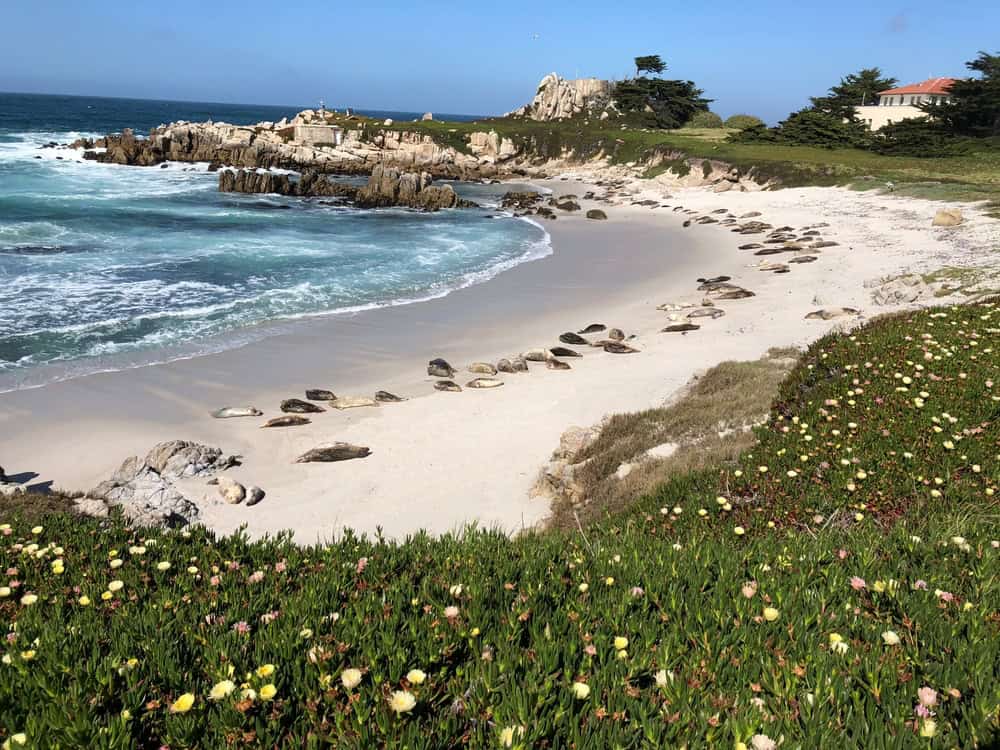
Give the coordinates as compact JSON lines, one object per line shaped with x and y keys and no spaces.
{"x":681,"y":328}
{"x":228,"y":412}
{"x":829,"y":313}
{"x":505,"y":365}
{"x":715,"y":280}
{"x":484,"y":383}
{"x":484,"y":368}
{"x":537,"y":355}
{"x":617,"y":347}
{"x":353,"y":402}
{"x":329,"y":452}
{"x":572,"y":338}
{"x":292,"y":420}
{"x":385,"y":397}
{"x":298,"y":406}
{"x":320,"y":394}
{"x":447,"y":385}
{"x":555,"y":364}
{"x":562,"y":351}
{"x":707,"y":312}
{"x":593,"y":328}
{"x":616,"y":334}
{"x":736,"y":294}
{"x":439,"y":368}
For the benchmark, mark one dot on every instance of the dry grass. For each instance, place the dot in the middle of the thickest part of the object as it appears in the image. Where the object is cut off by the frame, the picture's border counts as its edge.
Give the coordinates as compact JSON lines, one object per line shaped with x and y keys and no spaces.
{"x":710,"y":422}
{"x":33,"y":506}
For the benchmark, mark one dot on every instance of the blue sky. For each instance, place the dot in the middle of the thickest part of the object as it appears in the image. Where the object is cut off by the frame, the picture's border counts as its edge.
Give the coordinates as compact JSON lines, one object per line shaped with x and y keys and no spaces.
{"x":764,"y":57}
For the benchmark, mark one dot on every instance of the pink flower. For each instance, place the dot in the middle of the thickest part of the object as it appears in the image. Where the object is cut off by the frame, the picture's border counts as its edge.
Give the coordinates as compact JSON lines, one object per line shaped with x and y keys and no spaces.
{"x":857,"y":583}
{"x":11,"y":572}
{"x":11,"y":637}
{"x":451,"y":612}
{"x":362,"y":564}
{"x":214,"y":580}
{"x":256,"y":577}
{"x":749,"y":589}
{"x":590,"y":649}
{"x":234,"y":565}
{"x":842,"y":554}
{"x":928,"y":699}
{"x":241,"y":627}
{"x":280,"y":567}
{"x":920,"y":585}
{"x":637,"y":591}
{"x":269,"y":617}
{"x":946,"y":596}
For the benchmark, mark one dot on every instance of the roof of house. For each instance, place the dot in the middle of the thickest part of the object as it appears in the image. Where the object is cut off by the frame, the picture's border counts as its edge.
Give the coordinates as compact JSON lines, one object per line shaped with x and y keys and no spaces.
{"x":930,"y":86}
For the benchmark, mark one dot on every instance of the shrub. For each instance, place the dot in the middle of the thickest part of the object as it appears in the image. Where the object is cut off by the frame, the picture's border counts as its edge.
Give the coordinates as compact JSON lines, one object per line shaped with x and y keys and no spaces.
{"x":704,"y":119}
{"x":741,"y":122}
{"x":919,"y":137}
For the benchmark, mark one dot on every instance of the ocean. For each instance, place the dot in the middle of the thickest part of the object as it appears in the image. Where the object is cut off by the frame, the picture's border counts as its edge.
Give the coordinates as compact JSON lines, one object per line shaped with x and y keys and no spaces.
{"x":106,"y":267}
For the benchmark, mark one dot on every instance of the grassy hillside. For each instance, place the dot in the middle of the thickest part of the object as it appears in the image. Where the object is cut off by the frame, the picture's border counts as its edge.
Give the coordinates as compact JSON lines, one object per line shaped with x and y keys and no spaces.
{"x":837,"y":585}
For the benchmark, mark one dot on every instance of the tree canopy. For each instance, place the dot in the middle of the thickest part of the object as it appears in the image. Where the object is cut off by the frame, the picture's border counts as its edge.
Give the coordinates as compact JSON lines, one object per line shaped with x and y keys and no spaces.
{"x":974,"y":109}
{"x":660,"y":103}
{"x":649,"y":64}
{"x":853,"y":90}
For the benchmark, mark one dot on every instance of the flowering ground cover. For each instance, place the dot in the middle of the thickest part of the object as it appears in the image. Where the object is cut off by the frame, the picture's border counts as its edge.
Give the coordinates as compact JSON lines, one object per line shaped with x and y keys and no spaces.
{"x":838,"y":586}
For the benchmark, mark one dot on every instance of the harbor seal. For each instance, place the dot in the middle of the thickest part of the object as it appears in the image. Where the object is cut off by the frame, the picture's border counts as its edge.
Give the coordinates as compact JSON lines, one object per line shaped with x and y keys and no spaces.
{"x":440,"y":368}
{"x":617,"y":347}
{"x":736,"y":294}
{"x":229,"y":412}
{"x":483,"y":368}
{"x":707,"y":312}
{"x":484,"y":383}
{"x":298,"y":406}
{"x":803,"y":259}
{"x":320,"y":394}
{"x":353,"y":402}
{"x":385,"y":397}
{"x":681,"y":328}
{"x":829,"y":313}
{"x":593,"y":328}
{"x":520,"y":364}
{"x":715,"y":280}
{"x":292,"y":420}
{"x":555,"y":364}
{"x":329,"y":452}
{"x":616,"y":334}
{"x":505,"y":365}
{"x":572,"y":338}
{"x":562,"y":351}
{"x":751,"y":246}
{"x":447,"y":385}
{"x":536,"y":355}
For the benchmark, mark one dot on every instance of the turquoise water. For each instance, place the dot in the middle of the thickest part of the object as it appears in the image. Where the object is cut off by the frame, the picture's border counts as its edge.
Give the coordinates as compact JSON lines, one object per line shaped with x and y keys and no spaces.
{"x":104,"y":266}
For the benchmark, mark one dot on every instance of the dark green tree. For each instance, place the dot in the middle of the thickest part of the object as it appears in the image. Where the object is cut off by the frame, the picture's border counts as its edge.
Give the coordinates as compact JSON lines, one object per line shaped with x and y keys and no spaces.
{"x":649,"y":64}
{"x":974,"y":109}
{"x":921,"y":137}
{"x":853,"y":90}
{"x":659,"y":103}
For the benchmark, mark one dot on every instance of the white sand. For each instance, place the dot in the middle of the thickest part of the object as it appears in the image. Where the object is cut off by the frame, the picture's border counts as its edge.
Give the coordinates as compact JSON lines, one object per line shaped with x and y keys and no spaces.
{"x":441,"y":460}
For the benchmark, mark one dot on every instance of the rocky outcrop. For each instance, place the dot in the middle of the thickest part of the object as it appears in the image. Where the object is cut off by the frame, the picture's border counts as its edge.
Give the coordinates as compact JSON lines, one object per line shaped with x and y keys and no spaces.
{"x":902,"y":290}
{"x":558,"y":98}
{"x":386,"y":187}
{"x":145,"y":488}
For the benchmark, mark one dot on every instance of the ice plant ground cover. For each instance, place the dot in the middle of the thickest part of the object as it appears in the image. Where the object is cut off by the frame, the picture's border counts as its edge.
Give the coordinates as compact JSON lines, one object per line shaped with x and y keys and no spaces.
{"x":838,"y":587}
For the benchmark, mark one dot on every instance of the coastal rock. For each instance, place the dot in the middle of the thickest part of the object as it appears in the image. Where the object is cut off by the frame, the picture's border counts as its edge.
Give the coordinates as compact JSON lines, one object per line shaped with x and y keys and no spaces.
{"x":948,"y":217}
{"x":231,"y":491}
{"x":558,"y":98}
{"x":330,"y":452}
{"x":520,"y":200}
{"x":597,"y":214}
{"x":298,"y":406}
{"x":389,"y":187}
{"x":230,"y":412}
{"x":145,"y":490}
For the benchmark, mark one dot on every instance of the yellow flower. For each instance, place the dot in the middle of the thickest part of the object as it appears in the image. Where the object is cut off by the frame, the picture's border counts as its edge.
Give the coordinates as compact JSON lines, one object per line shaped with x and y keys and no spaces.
{"x":879,"y":587}
{"x":164,"y":565}
{"x":581,"y":690}
{"x":126,"y":714}
{"x":84,"y":601}
{"x":4,"y":592}
{"x":416,"y":676}
{"x":507,"y":735}
{"x":402,"y":701}
{"x":57,"y":567}
{"x":928,"y":728}
{"x":836,"y":638}
{"x":474,"y":632}
{"x":183,"y":704}
{"x":739,"y":531}
{"x":28,"y":655}
{"x":620,"y":643}
{"x":222,"y":690}
{"x":16,"y":739}
{"x":28,"y":599}
{"x":268,"y":692}
{"x":265,"y":671}
{"x":106,"y":595}
{"x":116,"y":586}
{"x":582,"y":588}
{"x":117,"y":562}
{"x":609,"y":581}
{"x":350,"y":678}
{"x":36,"y":530}
{"x":771,"y":614}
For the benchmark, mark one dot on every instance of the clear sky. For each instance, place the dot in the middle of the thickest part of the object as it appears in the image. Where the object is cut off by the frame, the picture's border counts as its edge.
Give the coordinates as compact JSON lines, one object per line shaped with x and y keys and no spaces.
{"x":764,"y":57}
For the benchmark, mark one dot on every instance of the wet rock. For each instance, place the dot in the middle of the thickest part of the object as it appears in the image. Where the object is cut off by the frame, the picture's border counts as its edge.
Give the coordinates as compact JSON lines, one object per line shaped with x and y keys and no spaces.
{"x":254,"y":496}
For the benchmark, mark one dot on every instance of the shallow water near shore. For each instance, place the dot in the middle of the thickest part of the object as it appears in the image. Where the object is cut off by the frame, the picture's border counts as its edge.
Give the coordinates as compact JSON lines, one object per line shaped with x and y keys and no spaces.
{"x":107,"y":267}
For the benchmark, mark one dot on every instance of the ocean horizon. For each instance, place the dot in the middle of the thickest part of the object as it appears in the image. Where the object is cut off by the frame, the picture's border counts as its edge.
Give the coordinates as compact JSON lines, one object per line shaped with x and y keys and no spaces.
{"x":108,"y":267}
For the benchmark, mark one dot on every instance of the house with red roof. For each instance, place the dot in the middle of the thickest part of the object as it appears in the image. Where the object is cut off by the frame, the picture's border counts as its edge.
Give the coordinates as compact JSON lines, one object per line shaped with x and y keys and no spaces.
{"x":901,"y":103}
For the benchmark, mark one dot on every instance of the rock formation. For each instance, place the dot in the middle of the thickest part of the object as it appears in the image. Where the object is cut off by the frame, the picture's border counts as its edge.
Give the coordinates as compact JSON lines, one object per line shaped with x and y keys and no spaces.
{"x":558,"y":98}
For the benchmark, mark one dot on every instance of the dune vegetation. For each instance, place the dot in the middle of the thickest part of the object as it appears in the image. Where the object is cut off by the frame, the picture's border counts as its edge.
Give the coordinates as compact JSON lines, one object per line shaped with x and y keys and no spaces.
{"x":836,"y":585}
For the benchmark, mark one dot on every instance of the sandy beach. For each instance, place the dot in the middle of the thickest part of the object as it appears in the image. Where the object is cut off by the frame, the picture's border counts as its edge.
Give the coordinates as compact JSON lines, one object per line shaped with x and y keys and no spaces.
{"x":442,"y":460}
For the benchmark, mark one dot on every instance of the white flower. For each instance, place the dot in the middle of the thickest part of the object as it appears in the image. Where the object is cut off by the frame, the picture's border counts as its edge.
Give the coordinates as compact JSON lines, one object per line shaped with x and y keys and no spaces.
{"x":350,"y":678}
{"x":891,"y":638}
{"x":581,"y":690}
{"x":416,"y":676}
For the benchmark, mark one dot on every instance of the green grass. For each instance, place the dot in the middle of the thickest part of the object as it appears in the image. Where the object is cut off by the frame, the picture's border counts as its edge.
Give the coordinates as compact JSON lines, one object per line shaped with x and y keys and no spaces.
{"x":729,"y":635}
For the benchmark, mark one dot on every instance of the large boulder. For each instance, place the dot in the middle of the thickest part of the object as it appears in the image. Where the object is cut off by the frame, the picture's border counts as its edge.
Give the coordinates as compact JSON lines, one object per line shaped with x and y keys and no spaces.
{"x":558,"y":98}
{"x":145,"y":487}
